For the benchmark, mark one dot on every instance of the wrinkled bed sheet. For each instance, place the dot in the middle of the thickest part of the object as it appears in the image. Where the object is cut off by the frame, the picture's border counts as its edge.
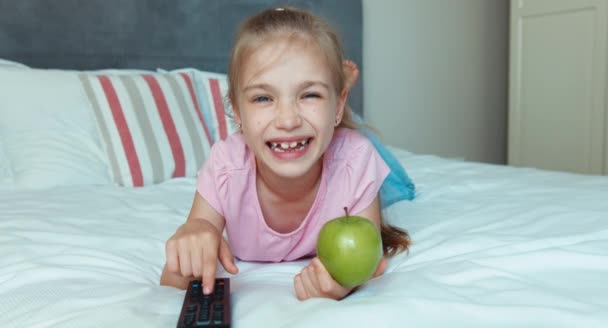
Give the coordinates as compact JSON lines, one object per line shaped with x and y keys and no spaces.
{"x":493,"y":246}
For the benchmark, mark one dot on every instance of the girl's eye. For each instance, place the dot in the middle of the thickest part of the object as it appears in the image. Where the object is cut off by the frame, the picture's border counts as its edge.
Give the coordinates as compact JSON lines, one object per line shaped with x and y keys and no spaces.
{"x":312,"y":95}
{"x":261,"y":99}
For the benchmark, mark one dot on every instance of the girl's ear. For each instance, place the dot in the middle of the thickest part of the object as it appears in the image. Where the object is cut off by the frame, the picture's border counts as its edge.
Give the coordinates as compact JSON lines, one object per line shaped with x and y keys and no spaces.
{"x":341,"y":105}
{"x":236,"y":112}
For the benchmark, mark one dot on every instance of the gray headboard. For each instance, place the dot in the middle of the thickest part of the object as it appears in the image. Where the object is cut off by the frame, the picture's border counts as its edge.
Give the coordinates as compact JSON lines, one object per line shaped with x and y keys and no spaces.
{"x":148,"y":34}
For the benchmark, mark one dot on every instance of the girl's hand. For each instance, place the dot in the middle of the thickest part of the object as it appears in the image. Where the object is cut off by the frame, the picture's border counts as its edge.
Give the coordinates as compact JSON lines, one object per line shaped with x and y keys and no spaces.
{"x":315,"y":281}
{"x":194,"y":249}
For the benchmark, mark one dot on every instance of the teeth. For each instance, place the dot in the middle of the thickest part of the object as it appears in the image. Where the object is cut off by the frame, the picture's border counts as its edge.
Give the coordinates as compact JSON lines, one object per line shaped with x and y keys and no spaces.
{"x":287,"y":145}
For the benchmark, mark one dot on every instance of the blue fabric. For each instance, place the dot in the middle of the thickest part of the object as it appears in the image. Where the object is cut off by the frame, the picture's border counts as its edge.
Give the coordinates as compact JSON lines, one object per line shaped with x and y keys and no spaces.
{"x":397,"y":186}
{"x":204,"y":106}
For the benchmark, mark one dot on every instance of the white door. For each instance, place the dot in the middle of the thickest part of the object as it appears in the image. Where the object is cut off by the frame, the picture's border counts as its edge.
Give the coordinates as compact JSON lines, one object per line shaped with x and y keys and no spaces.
{"x":557,"y":85}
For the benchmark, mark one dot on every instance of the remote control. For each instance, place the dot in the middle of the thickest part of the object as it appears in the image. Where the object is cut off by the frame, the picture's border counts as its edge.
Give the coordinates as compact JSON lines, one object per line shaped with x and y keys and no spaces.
{"x":211,"y":310}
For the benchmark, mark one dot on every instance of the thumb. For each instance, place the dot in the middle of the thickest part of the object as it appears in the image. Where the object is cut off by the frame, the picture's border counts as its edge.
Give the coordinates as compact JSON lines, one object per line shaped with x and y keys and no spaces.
{"x":381,"y":267}
{"x":226,"y":257}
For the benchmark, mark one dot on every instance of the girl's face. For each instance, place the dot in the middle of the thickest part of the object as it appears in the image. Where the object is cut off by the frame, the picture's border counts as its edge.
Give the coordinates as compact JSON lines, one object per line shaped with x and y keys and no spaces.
{"x":288,"y":106}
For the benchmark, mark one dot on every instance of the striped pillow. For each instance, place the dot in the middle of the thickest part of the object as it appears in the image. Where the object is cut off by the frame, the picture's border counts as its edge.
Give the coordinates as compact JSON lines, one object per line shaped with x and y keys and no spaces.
{"x":151,"y":126}
{"x":213,"y":89}
{"x":216,"y":86}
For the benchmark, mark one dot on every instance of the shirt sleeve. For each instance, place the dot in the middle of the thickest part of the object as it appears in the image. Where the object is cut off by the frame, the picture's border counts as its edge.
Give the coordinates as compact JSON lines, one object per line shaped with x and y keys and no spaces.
{"x":207,"y":182}
{"x":367,"y":173}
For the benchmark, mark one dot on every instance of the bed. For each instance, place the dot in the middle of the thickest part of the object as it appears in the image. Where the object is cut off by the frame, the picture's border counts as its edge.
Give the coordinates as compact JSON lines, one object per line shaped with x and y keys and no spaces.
{"x":494,"y":246}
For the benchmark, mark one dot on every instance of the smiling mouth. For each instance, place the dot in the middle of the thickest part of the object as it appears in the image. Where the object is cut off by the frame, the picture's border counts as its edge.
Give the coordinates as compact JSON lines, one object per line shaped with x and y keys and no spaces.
{"x":288,"y":146}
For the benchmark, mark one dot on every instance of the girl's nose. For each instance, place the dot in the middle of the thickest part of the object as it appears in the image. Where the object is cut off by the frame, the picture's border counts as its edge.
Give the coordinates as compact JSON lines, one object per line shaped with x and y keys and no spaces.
{"x":288,"y":117}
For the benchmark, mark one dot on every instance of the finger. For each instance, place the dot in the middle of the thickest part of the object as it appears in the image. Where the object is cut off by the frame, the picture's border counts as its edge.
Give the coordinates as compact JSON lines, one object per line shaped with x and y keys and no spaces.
{"x":209,"y":267}
{"x":172,"y":257}
{"x":314,"y":277}
{"x":184,"y":261}
{"x":226,"y":258}
{"x":196,"y":260}
{"x":381,"y":267}
{"x":328,"y":285}
{"x":299,"y":287}
{"x":326,"y":282}
{"x":308,"y":280}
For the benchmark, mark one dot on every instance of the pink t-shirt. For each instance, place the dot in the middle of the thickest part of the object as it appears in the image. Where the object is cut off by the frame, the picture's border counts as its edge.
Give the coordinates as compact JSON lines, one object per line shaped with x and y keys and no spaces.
{"x":352,"y":174}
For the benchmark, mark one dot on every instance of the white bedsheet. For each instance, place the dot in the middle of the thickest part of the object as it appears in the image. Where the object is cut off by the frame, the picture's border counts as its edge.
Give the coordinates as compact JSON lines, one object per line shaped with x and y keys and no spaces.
{"x":494,"y":247}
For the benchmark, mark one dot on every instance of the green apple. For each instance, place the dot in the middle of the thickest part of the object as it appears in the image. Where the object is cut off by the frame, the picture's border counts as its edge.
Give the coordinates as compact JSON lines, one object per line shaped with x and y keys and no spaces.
{"x":350,"y":248}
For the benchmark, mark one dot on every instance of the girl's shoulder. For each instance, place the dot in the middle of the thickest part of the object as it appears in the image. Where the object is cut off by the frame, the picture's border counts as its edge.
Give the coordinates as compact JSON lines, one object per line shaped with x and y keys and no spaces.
{"x":230,"y":154}
{"x":349,"y":144}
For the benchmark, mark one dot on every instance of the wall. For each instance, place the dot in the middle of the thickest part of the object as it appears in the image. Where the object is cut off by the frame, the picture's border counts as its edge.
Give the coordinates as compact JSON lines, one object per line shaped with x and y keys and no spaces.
{"x":435,"y":75}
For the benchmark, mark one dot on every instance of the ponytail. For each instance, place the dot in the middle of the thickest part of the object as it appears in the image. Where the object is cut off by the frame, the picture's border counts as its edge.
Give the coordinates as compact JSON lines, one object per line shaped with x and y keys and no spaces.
{"x":394,"y":240}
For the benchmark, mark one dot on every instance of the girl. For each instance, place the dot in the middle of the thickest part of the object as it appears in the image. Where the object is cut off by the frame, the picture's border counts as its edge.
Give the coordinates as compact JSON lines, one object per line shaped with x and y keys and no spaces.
{"x":295,"y":163}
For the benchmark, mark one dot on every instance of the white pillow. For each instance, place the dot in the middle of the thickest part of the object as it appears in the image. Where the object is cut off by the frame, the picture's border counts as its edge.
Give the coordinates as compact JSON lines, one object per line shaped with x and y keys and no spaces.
{"x":48,"y":130}
{"x":5,"y":63}
{"x":57,"y":128}
{"x":6,"y":176}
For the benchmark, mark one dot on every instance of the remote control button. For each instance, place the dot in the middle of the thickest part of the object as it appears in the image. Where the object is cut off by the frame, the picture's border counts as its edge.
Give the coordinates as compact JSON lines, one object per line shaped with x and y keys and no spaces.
{"x":206,"y":301}
{"x":203,"y":318}
{"x":189,"y":319}
{"x":204,"y":315}
{"x":191,"y":308}
{"x":205,"y":310}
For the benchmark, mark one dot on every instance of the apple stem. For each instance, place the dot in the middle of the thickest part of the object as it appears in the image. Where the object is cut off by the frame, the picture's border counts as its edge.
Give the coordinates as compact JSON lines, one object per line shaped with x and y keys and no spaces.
{"x":346,"y":211}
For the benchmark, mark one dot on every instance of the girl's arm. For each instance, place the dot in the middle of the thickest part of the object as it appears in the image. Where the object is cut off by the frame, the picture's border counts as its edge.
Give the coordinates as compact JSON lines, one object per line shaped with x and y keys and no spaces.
{"x":315,"y":281}
{"x":193,"y":251}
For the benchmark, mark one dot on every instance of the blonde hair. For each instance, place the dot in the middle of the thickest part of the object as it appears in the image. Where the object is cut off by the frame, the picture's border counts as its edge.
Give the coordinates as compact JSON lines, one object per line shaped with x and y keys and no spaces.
{"x":297,"y":24}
